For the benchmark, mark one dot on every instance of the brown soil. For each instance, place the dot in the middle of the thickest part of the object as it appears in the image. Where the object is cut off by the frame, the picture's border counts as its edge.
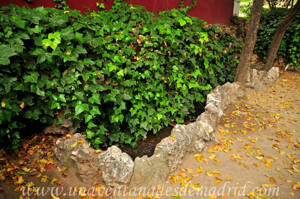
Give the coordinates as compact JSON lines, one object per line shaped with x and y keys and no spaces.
{"x":147,"y":146}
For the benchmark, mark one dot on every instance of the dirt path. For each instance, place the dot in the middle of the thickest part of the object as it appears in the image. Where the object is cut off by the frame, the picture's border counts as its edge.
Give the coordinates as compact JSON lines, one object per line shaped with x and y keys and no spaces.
{"x":257,"y":155}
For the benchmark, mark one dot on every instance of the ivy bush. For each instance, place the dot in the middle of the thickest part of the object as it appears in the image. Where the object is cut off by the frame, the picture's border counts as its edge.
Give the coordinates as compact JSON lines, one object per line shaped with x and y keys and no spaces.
{"x":118,"y":74}
{"x":290,"y":46}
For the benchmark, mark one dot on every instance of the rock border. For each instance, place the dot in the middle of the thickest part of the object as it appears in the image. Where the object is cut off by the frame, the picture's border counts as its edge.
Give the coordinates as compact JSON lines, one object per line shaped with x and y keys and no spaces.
{"x":117,"y":169}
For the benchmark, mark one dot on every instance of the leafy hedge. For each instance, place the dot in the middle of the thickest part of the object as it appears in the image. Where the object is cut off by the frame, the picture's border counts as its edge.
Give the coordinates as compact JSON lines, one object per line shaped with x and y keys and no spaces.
{"x":118,"y":74}
{"x":290,"y":45}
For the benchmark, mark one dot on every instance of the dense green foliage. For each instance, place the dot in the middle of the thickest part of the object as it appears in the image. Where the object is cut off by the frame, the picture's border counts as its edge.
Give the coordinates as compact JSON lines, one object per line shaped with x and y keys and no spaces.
{"x":118,"y":74}
{"x":290,"y":46}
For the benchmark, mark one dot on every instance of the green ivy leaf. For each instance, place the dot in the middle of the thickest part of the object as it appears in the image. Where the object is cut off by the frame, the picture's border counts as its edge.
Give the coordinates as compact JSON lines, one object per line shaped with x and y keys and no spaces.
{"x":182,"y":22}
{"x":112,"y":67}
{"x":95,"y":98}
{"x":62,"y":98}
{"x":87,"y":117}
{"x":89,"y":134}
{"x":32,"y":77}
{"x":40,"y":92}
{"x":79,"y":108}
{"x":5,"y":53}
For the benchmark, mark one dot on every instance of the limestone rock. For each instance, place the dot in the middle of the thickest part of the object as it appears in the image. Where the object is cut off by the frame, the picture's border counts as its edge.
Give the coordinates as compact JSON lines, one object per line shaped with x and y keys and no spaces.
{"x":214,"y":113}
{"x":273,"y":74}
{"x":63,"y":148}
{"x":151,"y":171}
{"x":116,"y":167}
{"x":259,"y":79}
{"x":85,"y":164}
{"x":229,"y":92}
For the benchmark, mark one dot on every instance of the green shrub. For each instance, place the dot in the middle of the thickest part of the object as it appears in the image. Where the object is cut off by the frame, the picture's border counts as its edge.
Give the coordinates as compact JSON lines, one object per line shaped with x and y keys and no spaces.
{"x":118,"y":74}
{"x":290,"y":46}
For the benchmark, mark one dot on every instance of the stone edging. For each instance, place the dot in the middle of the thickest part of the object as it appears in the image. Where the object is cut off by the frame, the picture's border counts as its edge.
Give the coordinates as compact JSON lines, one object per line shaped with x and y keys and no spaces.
{"x":117,"y":169}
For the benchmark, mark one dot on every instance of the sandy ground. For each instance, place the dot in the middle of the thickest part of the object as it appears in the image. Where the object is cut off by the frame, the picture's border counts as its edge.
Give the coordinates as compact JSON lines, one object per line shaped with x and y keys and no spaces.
{"x":257,"y":155}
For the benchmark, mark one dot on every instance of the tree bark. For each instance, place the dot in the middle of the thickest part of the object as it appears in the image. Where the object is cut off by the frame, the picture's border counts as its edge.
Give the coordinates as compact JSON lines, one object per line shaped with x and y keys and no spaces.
{"x":271,"y":4}
{"x":279,"y":35}
{"x":250,"y":40}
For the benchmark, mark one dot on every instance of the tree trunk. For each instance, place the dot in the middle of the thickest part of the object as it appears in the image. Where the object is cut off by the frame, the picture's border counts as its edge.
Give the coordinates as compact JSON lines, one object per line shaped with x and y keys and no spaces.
{"x":279,"y":35}
{"x":271,"y":4}
{"x":248,"y":47}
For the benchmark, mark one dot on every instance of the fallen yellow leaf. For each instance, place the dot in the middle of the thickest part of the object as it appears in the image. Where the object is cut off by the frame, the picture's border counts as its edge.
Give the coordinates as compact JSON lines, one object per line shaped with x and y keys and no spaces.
{"x":190,"y":171}
{"x":20,"y":180}
{"x":54,"y":197}
{"x":252,"y":140}
{"x":268,"y":165}
{"x":218,"y":180}
{"x":212,"y":156}
{"x":22,"y":105}
{"x":296,"y":186}
{"x":209,"y":173}
{"x":199,"y":170}
{"x":272,"y":180}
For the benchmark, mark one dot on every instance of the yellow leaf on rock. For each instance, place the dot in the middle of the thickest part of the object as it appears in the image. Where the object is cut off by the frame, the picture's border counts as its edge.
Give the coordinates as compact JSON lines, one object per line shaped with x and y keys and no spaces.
{"x":74,"y":144}
{"x":212,"y":156}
